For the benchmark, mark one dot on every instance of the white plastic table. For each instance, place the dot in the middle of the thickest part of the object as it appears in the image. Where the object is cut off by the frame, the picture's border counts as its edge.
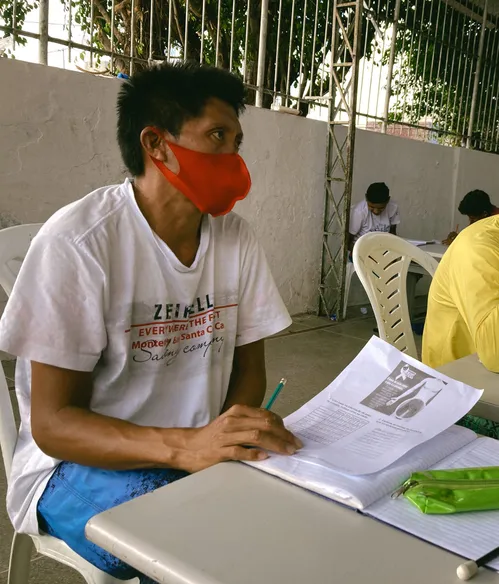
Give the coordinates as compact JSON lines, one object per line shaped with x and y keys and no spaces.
{"x":436,"y":250}
{"x":232,"y":524}
{"x":469,"y":370}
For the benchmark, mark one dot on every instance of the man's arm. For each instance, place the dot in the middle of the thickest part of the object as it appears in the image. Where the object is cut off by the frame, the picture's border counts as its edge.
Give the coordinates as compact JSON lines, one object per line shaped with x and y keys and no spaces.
{"x":450,"y":238}
{"x":248,"y":381}
{"x":394,"y":214}
{"x":475,"y":290}
{"x":64,"y":427}
{"x":486,"y":342}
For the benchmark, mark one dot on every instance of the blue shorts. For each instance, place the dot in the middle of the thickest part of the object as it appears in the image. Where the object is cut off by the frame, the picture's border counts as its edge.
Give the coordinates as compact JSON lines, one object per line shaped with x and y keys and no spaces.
{"x":76,"y":493}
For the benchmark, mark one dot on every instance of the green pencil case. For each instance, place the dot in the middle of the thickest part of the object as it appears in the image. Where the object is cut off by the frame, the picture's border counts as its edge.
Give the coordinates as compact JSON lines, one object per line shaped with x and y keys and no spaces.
{"x":453,"y":491}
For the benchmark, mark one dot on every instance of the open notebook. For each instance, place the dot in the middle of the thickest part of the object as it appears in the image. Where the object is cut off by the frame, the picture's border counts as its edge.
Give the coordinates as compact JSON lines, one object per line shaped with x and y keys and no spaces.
{"x":386,"y":416}
{"x":470,"y":535}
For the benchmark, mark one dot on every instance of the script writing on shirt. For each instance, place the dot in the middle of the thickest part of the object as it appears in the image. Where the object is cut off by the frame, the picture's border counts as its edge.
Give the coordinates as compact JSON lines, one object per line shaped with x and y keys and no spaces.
{"x":173,"y":328}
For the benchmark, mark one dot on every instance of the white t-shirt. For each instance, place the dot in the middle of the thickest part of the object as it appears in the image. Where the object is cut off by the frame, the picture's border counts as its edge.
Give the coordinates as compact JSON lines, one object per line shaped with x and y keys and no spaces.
{"x":362,"y":221}
{"x":99,"y":291}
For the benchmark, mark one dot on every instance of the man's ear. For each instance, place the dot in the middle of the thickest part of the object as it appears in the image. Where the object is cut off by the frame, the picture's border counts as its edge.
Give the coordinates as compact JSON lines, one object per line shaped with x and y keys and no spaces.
{"x":155,"y":146}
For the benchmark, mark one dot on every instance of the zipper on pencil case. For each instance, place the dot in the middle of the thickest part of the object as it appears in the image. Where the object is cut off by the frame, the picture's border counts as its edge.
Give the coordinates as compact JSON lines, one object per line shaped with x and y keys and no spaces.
{"x":454,"y":484}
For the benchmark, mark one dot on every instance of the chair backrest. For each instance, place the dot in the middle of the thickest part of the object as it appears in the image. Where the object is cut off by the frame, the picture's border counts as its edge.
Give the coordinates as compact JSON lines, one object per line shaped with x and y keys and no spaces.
{"x":8,"y":431}
{"x":14,"y":244}
{"x":382,"y":261}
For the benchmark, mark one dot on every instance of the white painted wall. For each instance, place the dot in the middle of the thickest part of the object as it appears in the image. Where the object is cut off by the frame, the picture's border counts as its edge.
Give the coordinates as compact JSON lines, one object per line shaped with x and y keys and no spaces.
{"x":57,"y":138}
{"x":286,"y":158}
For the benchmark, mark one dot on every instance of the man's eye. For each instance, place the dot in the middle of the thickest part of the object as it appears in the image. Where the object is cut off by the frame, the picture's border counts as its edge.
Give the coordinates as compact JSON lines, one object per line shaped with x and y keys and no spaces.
{"x":219,"y":135}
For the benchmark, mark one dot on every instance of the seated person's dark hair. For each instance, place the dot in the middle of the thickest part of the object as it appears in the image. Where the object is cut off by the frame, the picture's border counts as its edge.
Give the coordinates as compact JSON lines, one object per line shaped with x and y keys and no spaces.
{"x":378,"y":193}
{"x":167,"y":96}
{"x":476,"y":204}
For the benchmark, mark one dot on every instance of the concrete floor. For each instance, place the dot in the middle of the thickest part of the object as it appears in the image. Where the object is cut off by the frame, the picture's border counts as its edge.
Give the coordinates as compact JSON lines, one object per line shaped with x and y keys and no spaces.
{"x":310,"y":354}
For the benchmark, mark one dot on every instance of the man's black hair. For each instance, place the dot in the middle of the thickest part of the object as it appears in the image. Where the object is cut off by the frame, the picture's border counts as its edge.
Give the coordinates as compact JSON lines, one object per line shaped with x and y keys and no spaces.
{"x":476,"y":204}
{"x":167,"y":96}
{"x":378,"y":193}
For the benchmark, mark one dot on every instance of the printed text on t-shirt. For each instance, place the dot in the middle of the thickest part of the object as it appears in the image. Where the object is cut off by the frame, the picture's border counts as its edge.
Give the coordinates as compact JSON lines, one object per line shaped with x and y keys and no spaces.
{"x":200,"y":330}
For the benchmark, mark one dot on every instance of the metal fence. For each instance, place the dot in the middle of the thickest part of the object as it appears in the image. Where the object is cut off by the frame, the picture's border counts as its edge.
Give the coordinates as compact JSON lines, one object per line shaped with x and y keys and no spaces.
{"x":442,"y":64}
{"x":427,"y":68}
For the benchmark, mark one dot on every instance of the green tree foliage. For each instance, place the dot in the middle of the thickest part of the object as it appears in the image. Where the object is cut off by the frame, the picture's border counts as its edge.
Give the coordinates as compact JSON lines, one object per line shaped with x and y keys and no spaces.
{"x":303,"y":31}
{"x":436,"y":46}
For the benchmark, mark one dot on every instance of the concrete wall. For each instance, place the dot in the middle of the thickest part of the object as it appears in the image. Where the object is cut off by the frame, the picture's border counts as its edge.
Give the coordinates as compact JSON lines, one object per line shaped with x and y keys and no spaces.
{"x":58,"y":143}
{"x":286,"y":157}
{"x":57,"y":137}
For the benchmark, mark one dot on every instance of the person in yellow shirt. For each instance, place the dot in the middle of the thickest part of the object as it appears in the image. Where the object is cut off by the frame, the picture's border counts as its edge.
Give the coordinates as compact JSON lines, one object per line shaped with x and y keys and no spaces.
{"x":463,"y":302}
{"x":463,"y":307}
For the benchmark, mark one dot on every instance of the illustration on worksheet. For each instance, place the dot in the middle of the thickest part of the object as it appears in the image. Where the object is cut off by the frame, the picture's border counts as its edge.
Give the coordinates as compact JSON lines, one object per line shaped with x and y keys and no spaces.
{"x":380,"y":407}
{"x":404,"y":393}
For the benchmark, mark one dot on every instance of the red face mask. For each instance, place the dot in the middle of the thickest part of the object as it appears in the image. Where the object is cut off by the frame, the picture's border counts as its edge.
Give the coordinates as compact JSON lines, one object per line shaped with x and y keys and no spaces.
{"x":213,"y":182}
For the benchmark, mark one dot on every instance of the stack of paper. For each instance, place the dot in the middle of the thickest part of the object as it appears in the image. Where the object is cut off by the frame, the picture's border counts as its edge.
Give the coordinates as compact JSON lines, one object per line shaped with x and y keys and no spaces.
{"x":386,"y":416}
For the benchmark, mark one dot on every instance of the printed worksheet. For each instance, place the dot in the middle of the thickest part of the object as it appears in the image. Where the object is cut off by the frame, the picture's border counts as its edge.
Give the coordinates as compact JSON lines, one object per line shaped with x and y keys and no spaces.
{"x":380,"y":407}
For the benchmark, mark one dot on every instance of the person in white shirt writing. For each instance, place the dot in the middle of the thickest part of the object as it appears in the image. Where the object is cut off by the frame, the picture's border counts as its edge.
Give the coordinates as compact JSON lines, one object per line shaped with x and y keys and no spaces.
{"x":138,"y":319}
{"x":376,"y":213}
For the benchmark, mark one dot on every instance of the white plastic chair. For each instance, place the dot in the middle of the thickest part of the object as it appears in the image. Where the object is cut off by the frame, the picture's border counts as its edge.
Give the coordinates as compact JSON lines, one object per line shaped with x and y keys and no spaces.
{"x":14,"y":243}
{"x":382,"y":261}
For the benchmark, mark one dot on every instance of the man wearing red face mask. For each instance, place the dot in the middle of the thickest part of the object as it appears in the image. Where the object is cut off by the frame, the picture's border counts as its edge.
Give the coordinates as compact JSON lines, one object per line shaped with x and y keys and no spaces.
{"x":139,"y":316}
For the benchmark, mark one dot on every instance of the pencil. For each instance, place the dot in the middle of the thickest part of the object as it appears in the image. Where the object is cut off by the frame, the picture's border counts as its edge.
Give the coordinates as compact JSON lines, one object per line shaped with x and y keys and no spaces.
{"x":276,"y":393}
{"x":467,"y":570}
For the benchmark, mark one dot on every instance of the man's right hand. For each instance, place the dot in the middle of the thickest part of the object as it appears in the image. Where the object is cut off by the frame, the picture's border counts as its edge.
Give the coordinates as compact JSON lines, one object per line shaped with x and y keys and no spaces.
{"x":450,"y":238}
{"x":64,"y":427}
{"x":229,"y":436}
